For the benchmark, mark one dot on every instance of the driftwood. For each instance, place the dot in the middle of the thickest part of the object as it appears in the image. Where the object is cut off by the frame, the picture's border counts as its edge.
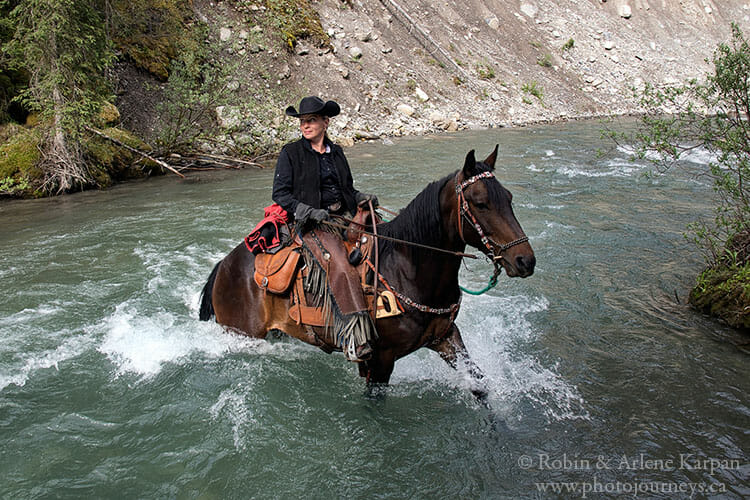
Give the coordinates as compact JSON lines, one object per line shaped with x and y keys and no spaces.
{"x":134,"y":150}
{"x":207,"y":161}
{"x":198,"y":161}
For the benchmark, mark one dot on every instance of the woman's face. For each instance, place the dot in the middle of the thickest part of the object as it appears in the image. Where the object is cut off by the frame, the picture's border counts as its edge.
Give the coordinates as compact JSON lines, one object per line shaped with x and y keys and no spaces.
{"x":313,"y":127}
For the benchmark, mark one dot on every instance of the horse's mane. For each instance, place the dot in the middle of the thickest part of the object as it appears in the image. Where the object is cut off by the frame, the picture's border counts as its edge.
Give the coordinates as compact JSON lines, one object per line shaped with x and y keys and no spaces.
{"x":420,"y":221}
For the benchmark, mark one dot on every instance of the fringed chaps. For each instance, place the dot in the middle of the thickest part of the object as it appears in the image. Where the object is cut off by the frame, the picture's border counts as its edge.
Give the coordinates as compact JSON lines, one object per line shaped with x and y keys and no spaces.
{"x":335,"y":285}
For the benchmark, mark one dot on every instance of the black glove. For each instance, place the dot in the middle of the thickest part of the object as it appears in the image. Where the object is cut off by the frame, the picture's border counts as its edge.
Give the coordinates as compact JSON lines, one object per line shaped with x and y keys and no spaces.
{"x":361,"y":198}
{"x":305,"y":216}
{"x":318,"y":215}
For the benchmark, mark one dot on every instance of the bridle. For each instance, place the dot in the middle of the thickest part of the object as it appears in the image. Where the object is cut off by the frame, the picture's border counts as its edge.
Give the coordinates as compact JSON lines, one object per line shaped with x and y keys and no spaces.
{"x":494,"y":249}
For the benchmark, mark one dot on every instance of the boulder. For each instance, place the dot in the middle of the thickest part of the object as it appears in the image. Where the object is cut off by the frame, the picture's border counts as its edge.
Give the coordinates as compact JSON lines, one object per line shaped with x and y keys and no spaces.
{"x":405,"y":109}
{"x":421,"y":95}
{"x":225,"y":34}
{"x":529,"y":9}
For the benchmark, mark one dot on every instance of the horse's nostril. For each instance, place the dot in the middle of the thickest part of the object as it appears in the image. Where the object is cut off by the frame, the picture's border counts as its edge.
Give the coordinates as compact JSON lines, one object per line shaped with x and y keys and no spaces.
{"x":525,"y":263}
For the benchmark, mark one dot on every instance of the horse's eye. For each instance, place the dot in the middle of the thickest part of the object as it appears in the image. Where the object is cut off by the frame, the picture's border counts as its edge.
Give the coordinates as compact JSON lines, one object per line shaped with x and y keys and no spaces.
{"x":481,"y":206}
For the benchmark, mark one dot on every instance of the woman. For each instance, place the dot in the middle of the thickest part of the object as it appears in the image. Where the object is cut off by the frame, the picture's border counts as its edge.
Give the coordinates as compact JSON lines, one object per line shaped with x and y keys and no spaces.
{"x":312,"y":181}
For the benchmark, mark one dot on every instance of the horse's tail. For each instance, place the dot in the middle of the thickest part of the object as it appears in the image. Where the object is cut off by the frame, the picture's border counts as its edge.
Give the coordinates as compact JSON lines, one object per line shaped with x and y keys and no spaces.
{"x":207,"y":307}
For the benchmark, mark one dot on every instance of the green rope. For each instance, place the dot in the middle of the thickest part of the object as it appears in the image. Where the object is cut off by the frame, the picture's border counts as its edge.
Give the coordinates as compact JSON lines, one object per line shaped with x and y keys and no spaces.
{"x":490,"y":286}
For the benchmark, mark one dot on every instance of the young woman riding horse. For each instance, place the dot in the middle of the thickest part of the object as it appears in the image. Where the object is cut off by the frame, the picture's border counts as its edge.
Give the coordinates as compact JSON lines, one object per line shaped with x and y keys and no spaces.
{"x":467,"y":207}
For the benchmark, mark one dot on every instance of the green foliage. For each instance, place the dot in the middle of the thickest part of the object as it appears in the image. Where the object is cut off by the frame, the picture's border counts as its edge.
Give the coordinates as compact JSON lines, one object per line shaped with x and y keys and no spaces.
{"x":63,"y":45}
{"x":534,"y":89}
{"x":197,"y":84}
{"x":296,"y":20}
{"x":568,"y":45}
{"x":12,"y":187}
{"x":710,"y":115}
{"x":485,"y":71}
{"x":725,"y":292}
{"x":545,"y":61}
{"x":149,"y":31}
{"x":19,"y":155}
{"x":200,"y":108}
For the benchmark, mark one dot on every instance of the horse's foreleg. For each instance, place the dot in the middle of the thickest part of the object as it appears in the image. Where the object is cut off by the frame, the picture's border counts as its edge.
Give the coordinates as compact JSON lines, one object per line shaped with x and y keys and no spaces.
{"x":378,"y":370}
{"x":453,"y":351}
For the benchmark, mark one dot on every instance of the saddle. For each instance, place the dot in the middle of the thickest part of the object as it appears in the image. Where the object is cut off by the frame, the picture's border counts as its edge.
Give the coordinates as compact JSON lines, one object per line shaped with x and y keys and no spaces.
{"x":281,"y":273}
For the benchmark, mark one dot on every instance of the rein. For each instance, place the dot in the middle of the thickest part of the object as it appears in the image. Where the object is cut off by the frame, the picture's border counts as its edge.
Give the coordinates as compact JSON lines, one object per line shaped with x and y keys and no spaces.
{"x":396,"y":240}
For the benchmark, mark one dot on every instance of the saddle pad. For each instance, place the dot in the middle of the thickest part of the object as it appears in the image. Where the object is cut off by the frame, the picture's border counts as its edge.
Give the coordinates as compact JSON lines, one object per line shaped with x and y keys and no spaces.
{"x":275,"y":272}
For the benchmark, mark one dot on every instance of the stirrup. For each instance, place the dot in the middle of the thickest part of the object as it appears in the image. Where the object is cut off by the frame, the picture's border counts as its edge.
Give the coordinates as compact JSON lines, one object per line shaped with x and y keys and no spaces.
{"x":351,"y":352}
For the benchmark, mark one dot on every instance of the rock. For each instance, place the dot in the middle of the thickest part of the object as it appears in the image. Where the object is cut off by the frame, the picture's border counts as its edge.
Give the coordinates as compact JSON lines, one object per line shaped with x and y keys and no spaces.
{"x":368,"y":136}
{"x":243,"y":34}
{"x":624,"y":11}
{"x":608,"y":45}
{"x":285,"y":72}
{"x":386,"y":50}
{"x":228,"y":116}
{"x":493,"y":23}
{"x":344,"y":72}
{"x":345,"y":142}
{"x":108,"y":114}
{"x":233,"y":85}
{"x":529,"y":9}
{"x":405,"y":109}
{"x":302,"y":49}
{"x":225,"y":34}
{"x":365,"y":37}
{"x":708,"y":10}
{"x":436,"y":117}
{"x":421,"y":95}
{"x":355,"y":52}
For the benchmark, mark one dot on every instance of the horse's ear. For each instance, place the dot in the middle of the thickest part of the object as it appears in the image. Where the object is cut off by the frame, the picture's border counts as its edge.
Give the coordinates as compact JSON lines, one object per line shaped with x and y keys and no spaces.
{"x":490,"y":160}
{"x":470,"y":165}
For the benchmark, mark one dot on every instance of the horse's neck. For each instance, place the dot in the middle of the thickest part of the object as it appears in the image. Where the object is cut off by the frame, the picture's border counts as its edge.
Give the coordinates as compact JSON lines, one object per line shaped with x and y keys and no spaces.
{"x":427,"y":276}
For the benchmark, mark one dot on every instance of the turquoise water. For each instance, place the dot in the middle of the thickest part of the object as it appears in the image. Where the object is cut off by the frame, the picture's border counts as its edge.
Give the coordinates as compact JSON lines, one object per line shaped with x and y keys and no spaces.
{"x":601,"y":377}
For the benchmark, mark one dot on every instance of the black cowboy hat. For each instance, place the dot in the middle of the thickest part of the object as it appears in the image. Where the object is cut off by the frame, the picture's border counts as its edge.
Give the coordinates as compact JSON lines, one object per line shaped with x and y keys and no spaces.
{"x":314,"y":105}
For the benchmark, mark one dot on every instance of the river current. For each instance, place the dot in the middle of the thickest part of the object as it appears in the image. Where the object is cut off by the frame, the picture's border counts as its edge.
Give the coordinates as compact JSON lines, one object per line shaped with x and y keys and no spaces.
{"x":604,"y":384}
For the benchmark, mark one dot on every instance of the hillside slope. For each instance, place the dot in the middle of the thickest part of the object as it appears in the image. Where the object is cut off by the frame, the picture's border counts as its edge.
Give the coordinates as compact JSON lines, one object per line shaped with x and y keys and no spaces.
{"x":485,"y":63}
{"x":402,"y":67}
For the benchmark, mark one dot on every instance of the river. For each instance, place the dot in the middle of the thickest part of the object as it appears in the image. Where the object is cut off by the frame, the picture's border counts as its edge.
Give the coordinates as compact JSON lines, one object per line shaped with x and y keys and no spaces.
{"x":603,"y":382}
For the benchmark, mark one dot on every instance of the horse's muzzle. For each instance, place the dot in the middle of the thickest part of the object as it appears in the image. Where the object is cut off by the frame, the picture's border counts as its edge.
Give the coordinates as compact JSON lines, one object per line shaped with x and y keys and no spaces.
{"x":521,"y":266}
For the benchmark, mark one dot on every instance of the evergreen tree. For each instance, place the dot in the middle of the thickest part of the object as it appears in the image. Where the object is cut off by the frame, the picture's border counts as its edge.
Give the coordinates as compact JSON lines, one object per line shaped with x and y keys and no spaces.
{"x":63,"y":45}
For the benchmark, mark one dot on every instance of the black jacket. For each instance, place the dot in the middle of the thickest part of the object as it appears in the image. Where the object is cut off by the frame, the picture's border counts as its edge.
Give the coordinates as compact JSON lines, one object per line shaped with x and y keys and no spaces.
{"x":297,"y":177}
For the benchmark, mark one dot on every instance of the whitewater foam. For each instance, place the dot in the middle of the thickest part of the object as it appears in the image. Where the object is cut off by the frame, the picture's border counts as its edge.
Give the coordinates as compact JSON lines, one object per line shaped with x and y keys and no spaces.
{"x":501,"y":340}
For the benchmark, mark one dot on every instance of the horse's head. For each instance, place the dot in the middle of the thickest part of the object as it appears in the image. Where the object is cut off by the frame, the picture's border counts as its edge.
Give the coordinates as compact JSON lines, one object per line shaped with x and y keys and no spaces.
{"x":486,"y":220}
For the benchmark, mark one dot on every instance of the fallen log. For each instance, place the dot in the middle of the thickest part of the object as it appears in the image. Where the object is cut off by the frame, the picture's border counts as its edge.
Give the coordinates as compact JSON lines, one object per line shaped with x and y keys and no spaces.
{"x":134,"y":150}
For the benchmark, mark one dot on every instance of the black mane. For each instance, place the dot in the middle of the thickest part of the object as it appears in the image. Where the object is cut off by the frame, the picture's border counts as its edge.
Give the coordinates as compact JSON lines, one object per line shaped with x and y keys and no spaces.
{"x":421,"y":221}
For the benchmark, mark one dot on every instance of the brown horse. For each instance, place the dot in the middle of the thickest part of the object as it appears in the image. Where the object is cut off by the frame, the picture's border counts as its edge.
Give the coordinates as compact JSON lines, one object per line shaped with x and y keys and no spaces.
{"x":467,"y":207}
